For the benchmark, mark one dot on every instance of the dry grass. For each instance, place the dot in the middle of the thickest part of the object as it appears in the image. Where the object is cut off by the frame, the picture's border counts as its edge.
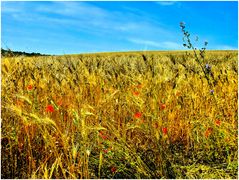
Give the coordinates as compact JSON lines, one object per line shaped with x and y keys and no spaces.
{"x":119,"y":115}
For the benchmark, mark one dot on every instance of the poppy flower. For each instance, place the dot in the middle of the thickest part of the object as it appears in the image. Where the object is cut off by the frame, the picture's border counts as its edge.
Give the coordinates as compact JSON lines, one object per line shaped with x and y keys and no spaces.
{"x":29,"y":87}
{"x":49,"y":108}
{"x":139,"y":86}
{"x":138,"y":115}
{"x":19,"y":103}
{"x":113,"y":169}
{"x":218,"y":122}
{"x":178,"y":93}
{"x":156,"y":125}
{"x":136,"y":93}
{"x":162,"y":106}
{"x":59,"y":102}
{"x":105,"y":151}
{"x":165,"y":130}
{"x":208,"y":132}
{"x":102,"y":135}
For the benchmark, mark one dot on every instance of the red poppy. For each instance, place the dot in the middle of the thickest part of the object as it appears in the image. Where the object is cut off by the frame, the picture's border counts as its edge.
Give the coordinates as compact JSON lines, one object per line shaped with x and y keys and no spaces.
{"x":136,"y":93}
{"x":208,"y":132}
{"x":178,"y":93}
{"x":49,"y":108}
{"x":162,"y":106}
{"x":138,"y":115}
{"x":105,"y":151}
{"x":218,"y":122}
{"x":139,"y":86}
{"x":29,"y":87}
{"x":19,"y":103}
{"x":102,"y":135}
{"x":165,"y":130}
{"x":113,"y":169}
{"x":156,"y":125}
{"x":59,"y":102}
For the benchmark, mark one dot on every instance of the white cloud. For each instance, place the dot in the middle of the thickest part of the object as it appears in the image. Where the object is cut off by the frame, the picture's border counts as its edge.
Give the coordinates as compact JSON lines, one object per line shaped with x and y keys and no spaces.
{"x":166,"y":3}
{"x":10,"y":7}
{"x":225,"y":47}
{"x":171,"y":45}
{"x":145,"y":42}
{"x":91,"y":19}
{"x":83,"y":16}
{"x":163,"y":45}
{"x":75,"y":9}
{"x":128,"y":26}
{"x":10,"y":10}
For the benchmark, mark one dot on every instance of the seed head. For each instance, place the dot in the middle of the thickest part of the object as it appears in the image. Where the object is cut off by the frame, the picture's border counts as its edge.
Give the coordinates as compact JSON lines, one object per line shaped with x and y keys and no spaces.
{"x":88,"y":152}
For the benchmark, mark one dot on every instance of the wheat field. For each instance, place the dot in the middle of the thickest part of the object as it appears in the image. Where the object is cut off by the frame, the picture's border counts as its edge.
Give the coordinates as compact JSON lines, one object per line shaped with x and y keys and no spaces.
{"x":119,"y":115}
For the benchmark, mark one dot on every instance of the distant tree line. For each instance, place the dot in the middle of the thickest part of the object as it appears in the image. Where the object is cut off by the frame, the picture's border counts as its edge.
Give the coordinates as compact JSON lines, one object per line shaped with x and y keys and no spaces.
{"x":10,"y":53}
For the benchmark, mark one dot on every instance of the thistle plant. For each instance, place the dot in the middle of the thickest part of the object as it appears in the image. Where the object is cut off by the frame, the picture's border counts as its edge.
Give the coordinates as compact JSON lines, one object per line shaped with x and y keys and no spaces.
{"x":213,"y":83}
{"x":199,"y":57}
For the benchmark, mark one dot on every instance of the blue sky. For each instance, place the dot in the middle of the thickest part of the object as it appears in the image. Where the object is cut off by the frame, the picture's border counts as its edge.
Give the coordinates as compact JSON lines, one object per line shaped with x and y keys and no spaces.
{"x":78,"y":27}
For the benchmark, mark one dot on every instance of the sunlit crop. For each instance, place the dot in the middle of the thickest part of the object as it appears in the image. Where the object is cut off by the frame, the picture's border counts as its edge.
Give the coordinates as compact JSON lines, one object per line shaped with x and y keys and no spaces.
{"x":119,"y":115}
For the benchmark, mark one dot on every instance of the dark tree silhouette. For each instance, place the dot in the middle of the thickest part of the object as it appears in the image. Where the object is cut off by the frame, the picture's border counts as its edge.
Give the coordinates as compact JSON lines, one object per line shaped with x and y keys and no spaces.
{"x":10,"y":53}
